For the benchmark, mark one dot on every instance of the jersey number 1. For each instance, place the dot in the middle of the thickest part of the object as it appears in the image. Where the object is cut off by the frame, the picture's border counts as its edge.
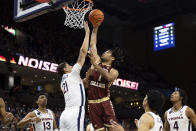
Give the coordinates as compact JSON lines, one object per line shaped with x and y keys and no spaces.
{"x":99,"y":79}
{"x":65,"y":88}
{"x":176,"y":125}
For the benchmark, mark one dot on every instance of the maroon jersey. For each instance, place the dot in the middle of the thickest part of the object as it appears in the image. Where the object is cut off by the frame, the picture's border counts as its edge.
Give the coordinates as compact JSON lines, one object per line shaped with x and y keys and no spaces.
{"x":98,"y":86}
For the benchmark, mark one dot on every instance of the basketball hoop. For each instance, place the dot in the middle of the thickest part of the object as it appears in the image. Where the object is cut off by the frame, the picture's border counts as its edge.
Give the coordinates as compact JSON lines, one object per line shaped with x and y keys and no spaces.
{"x":75,"y":13}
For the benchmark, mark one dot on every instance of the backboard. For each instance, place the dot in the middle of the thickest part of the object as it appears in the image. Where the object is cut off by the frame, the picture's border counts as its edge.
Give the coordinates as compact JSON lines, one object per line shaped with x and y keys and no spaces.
{"x":28,"y":9}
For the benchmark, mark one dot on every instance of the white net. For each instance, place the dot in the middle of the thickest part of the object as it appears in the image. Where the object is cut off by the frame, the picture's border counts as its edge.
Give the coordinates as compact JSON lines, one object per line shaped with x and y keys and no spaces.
{"x":75,"y":13}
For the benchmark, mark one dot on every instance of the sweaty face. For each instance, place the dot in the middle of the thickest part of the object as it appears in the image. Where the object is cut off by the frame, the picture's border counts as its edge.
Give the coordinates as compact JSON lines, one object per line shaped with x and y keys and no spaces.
{"x":107,"y":55}
{"x":175,"y":96}
{"x":42,"y":100}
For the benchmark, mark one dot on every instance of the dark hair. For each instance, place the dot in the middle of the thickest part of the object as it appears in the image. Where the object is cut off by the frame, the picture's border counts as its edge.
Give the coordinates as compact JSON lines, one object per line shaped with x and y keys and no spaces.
{"x":155,"y":100}
{"x":39,"y":94}
{"x":60,"y":68}
{"x":117,"y":53}
{"x":184,"y":96}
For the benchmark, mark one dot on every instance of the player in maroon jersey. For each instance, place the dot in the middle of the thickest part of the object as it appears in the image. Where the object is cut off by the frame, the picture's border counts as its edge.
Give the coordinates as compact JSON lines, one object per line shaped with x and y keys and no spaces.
{"x":98,"y":80}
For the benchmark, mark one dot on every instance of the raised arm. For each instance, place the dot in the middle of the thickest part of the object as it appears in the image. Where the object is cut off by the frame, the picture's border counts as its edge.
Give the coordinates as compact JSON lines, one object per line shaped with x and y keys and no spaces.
{"x":93,"y":43}
{"x":166,"y":124}
{"x":190,"y":113}
{"x":84,"y":47}
{"x":30,"y":117}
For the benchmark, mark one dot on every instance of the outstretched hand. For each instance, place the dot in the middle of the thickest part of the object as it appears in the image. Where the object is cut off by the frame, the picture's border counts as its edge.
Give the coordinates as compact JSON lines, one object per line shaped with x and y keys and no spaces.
{"x":86,"y":27}
{"x":91,"y":55}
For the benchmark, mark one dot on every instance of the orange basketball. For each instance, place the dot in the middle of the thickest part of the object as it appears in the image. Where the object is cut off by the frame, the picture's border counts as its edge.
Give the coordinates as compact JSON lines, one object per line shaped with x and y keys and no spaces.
{"x":96,"y":17}
{"x":42,"y":1}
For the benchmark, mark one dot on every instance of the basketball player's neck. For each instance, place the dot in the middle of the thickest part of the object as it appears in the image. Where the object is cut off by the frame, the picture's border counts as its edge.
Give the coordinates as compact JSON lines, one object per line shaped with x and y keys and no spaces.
{"x":177,"y":105}
{"x":42,"y":109}
{"x":147,"y":109}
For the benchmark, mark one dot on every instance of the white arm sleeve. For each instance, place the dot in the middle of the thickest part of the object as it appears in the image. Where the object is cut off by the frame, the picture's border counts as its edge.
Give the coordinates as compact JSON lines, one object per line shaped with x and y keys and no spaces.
{"x":76,"y":70}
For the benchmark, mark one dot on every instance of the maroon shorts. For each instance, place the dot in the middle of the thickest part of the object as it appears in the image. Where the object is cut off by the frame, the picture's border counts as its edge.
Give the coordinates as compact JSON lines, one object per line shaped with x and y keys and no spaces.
{"x":101,"y":114}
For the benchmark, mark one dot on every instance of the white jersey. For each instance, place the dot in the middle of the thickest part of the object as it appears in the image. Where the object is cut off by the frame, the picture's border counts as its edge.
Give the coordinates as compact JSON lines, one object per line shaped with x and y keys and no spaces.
{"x":158,"y":124}
{"x":73,"y":88}
{"x":46,"y":123}
{"x":178,"y":120}
{"x":72,"y":118}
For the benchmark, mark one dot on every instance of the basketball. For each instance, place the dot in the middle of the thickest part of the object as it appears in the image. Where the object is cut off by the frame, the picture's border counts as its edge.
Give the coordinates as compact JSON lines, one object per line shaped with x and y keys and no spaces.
{"x":96,"y":17}
{"x":42,"y":1}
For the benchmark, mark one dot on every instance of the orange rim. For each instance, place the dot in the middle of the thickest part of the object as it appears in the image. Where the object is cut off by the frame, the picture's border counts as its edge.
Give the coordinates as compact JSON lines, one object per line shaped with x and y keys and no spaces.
{"x":90,"y":1}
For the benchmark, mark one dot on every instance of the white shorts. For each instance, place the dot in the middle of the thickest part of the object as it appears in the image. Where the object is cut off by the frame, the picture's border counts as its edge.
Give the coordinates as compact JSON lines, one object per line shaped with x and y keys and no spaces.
{"x":72,"y":119}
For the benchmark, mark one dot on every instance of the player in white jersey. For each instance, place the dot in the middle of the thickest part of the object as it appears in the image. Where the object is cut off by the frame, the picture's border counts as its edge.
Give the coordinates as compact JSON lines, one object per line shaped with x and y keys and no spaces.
{"x":150,"y":120}
{"x":72,"y":118}
{"x":180,"y":117}
{"x":42,"y":119}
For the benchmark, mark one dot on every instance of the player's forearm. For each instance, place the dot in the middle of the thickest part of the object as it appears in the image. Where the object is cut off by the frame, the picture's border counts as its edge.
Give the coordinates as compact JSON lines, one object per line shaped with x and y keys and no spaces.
{"x":55,"y":126}
{"x":94,"y":39}
{"x":84,"y":48}
{"x":194,"y":123}
{"x":104,"y":73}
{"x":190,"y":113}
{"x":193,"y":119}
{"x":22,"y":123}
